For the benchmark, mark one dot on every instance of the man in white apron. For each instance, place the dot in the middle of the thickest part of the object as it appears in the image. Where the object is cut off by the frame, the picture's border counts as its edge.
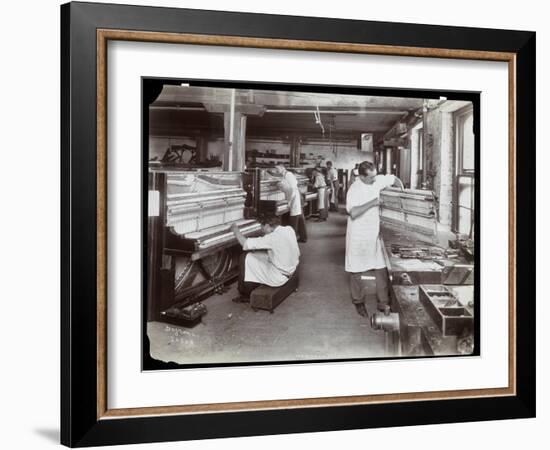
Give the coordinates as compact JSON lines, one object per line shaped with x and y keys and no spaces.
{"x":332,"y":176}
{"x":364,"y":256}
{"x":268,"y":260}
{"x":321,"y":186}
{"x":289,"y":185}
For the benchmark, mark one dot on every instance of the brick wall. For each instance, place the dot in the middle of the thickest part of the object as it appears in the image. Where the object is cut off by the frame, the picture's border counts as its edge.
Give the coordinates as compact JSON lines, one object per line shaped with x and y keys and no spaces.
{"x":440,"y":150}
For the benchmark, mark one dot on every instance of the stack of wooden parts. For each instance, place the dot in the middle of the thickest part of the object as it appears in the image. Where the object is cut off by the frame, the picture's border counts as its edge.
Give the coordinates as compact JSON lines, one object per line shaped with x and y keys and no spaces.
{"x":410,"y":210}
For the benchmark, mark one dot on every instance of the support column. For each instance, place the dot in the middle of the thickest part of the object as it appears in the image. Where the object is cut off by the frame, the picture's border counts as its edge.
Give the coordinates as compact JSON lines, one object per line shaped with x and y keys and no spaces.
{"x":405,"y":165}
{"x":202,"y":148}
{"x":446,"y":169}
{"x":235,"y":140}
{"x":389,"y":160}
{"x":294,"y":159}
{"x":425,"y":142}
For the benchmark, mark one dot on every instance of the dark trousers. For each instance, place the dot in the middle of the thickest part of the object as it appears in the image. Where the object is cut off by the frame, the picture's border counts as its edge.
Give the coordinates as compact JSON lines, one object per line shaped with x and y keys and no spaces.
{"x":323,"y":212}
{"x":299,"y":224}
{"x":359,"y":286}
{"x":245,"y":287}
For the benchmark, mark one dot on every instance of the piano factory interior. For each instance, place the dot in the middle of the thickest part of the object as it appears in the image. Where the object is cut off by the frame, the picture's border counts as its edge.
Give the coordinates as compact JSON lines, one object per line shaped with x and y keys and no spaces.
{"x":218,"y":161}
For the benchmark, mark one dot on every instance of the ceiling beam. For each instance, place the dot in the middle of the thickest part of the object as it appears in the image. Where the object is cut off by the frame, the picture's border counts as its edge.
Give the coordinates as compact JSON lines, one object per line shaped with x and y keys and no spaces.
{"x":172,"y":95}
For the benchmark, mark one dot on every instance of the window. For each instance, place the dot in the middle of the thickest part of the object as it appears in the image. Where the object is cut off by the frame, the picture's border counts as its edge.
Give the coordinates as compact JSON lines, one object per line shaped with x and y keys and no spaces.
{"x":466,"y":142}
{"x":417,"y":155}
{"x":420,"y":147}
{"x":465,"y":169}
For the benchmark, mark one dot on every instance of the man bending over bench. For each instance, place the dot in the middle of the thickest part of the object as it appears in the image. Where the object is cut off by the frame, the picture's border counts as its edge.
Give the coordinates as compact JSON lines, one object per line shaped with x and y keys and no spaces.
{"x":268,"y":260}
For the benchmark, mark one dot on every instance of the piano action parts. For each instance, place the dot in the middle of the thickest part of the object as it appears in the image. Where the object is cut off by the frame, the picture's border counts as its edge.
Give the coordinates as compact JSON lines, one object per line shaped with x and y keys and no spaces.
{"x":409,"y":210}
{"x":200,"y":208}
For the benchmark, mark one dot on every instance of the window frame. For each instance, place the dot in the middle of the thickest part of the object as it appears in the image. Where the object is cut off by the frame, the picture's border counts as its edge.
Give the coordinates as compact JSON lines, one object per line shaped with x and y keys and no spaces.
{"x":459,"y":117}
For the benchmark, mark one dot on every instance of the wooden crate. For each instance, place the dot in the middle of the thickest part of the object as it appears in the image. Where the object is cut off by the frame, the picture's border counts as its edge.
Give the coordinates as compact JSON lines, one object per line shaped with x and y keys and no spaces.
{"x":268,"y":298}
{"x":443,"y":307}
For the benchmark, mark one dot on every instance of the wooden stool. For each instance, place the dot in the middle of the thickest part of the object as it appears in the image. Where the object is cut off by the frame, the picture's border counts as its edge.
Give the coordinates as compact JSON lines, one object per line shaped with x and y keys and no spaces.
{"x":268,"y":298}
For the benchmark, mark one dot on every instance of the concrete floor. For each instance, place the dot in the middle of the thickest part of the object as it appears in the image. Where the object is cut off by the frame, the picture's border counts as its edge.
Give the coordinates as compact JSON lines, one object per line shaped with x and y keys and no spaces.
{"x":317,"y":322}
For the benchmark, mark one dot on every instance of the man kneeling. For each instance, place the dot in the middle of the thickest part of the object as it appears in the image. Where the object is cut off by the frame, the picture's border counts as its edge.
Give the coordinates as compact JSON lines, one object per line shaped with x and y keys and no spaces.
{"x":269,"y":260}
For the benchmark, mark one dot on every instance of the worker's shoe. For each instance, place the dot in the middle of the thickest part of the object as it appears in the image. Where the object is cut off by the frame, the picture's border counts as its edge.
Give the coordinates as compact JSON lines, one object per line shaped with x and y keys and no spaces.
{"x":241,"y":299}
{"x":361,"y":310}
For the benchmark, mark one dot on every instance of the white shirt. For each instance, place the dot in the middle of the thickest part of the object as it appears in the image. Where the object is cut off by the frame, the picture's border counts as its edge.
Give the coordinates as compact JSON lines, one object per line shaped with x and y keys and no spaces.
{"x":363,"y":248}
{"x":274,"y":266}
{"x":332,"y":174}
{"x":319,"y":181}
{"x":290,"y":186}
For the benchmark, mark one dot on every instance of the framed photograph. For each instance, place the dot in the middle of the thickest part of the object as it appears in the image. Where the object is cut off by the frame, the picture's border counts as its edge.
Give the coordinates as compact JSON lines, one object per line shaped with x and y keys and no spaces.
{"x":279,"y":224}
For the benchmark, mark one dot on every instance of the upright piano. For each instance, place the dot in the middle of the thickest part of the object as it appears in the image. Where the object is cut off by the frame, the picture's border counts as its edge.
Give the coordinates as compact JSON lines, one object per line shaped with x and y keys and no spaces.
{"x":309,"y":195}
{"x":192,"y":251}
{"x":269,"y":199}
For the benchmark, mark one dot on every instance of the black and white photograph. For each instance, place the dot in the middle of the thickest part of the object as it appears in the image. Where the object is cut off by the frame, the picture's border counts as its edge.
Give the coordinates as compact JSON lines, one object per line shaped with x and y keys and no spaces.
{"x":294,"y":223}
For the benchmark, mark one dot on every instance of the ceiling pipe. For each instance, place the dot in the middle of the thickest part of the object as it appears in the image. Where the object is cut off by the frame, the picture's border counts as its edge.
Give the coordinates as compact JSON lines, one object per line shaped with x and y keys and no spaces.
{"x":182,"y":108}
{"x":293,"y":111}
{"x":335,"y":112}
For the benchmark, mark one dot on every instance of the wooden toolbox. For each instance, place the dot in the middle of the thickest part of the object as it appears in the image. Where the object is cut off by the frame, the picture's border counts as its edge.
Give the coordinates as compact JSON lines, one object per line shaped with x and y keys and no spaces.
{"x":445,"y":310}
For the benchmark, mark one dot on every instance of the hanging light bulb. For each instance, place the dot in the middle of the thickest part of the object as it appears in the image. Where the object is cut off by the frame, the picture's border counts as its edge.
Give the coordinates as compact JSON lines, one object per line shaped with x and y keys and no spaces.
{"x":317,"y":115}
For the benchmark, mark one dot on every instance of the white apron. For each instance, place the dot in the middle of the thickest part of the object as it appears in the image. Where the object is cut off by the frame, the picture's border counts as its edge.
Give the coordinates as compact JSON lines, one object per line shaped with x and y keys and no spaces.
{"x":321,"y":191}
{"x":363,"y":247}
{"x":290,"y":188}
{"x":332,"y":176}
{"x":321,"y":197}
{"x":295,"y":203}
